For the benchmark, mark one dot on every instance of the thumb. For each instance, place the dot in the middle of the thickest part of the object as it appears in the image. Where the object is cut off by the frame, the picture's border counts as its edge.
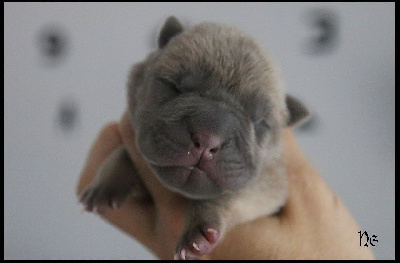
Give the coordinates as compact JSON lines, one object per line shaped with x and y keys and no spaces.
{"x":133,"y":217}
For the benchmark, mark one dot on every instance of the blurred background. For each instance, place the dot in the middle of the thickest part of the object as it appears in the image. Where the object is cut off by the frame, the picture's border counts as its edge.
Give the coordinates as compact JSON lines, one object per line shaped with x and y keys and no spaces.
{"x":65,"y":69}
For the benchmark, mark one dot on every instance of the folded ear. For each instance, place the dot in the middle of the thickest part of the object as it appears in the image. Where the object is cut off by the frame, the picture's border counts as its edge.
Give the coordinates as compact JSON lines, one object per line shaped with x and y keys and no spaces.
{"x":171,"y":28}
{"x":298,"y":113}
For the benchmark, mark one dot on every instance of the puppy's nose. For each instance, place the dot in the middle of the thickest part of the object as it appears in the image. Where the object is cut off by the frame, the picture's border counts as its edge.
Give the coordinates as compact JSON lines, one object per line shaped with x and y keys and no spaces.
{"x":207,"y":144}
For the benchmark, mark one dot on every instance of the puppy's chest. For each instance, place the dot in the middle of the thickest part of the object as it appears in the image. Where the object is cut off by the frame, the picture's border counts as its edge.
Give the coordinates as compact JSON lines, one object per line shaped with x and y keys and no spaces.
{"x":263,"y":196}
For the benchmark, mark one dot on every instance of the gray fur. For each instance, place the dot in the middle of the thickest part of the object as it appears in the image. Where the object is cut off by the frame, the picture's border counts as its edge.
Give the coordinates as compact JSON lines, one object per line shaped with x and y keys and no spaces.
{"x":207,"y":108}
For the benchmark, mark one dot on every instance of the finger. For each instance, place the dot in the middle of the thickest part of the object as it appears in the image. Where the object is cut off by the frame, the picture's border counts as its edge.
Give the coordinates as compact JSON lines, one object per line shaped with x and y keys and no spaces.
{"x":107,"y":141}
{"x":308,"y":193}
{"x":162,"y":197}
{"x":133,"y":217}
{"x":313,"y":209}
{"x":136,"y":219}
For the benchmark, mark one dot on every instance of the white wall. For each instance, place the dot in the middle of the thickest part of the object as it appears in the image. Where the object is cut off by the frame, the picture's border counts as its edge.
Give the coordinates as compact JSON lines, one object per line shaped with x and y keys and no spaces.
{"x":350,"y":88}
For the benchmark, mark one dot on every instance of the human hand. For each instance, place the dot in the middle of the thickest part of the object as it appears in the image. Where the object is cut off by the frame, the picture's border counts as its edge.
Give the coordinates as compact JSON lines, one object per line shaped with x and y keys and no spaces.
{"x":314,"y":223}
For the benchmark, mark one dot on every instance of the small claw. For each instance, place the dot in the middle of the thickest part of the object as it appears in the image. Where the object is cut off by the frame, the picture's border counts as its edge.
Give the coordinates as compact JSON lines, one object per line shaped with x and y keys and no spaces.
{"x":183,"y":254}
{"x":196,"y":246}
{"x":82,"y":196}
{"x":212,"y":231}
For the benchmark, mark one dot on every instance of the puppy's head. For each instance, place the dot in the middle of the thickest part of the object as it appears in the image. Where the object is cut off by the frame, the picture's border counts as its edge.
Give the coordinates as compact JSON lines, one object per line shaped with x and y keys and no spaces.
{"x":207,"y":108}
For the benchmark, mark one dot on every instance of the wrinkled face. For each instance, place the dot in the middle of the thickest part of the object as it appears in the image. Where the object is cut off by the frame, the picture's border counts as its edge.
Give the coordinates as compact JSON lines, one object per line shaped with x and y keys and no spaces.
{"x":207,"y":118}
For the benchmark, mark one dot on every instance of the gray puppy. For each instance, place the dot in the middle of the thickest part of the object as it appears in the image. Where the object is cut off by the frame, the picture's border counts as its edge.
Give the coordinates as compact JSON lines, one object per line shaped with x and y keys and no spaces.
{"x":207,"y":109}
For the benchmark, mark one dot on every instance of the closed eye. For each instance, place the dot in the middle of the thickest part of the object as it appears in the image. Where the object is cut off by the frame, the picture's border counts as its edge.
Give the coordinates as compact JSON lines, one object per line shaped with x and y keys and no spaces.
{"x":169,"y":84}
{"x":261,"y":127}
{"x":261,"y":123}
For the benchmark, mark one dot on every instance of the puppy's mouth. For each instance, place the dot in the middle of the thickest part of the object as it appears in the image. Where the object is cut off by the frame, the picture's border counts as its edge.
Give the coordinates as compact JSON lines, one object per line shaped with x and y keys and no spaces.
{"x":194,"y":182}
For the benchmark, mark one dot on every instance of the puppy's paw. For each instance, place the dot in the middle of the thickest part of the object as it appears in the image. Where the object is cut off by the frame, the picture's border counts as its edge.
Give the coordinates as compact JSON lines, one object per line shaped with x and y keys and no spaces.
{"x":197,"y":242}
{"x":101,"y":197}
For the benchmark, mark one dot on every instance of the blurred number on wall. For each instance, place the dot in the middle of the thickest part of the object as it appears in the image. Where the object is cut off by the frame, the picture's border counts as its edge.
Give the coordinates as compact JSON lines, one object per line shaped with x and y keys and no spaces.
{"x":53,"y":43}
{"x":323,"y":25}
{"x":67,"y":116}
